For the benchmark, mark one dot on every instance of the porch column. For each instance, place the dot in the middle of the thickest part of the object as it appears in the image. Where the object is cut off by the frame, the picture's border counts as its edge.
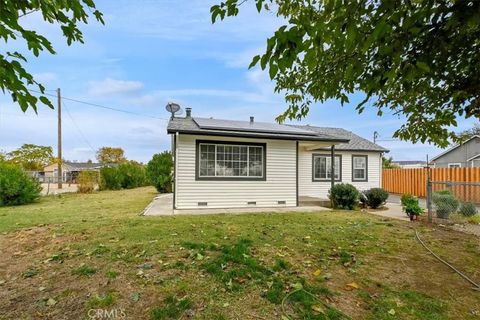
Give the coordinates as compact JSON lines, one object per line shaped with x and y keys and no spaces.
{"x":332,"y":161}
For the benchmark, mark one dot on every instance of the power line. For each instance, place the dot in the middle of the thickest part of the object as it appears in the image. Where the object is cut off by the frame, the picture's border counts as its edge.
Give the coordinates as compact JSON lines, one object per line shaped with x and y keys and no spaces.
{"x":76,"y":125}
{"x":102,"y":106}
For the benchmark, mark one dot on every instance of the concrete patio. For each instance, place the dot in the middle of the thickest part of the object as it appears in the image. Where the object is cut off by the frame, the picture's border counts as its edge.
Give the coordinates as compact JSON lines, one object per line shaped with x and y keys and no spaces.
{"x":162,"y":205}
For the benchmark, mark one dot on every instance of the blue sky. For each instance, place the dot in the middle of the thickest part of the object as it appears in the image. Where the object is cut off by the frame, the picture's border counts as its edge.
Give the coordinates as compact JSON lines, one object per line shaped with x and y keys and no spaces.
{"x":151,"y":52}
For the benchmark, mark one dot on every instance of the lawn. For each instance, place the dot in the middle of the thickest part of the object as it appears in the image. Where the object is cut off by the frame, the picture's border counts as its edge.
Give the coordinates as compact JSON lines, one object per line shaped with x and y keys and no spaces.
{"x":68,"y":254}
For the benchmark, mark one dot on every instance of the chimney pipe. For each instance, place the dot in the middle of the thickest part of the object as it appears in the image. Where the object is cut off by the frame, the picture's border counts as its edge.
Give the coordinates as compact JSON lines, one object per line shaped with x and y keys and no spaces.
{"x":251,"y":120}
{"x":188,"y":112}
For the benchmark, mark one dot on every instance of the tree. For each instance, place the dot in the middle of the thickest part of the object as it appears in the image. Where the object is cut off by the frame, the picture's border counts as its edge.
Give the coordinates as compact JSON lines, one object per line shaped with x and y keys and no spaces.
{"x":14,"y":78}
{"x":31,"y":156}
{"x":159,"y":171}
{"x":387,"y":163}
{"x":467,"y":134}
{"x":416,"y":59}
{"x":107,"y":155}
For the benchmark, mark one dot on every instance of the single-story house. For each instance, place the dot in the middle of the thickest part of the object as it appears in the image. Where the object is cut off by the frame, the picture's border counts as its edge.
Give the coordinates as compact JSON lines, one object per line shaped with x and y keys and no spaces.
{"x":466,"y":154}
{"x":70,"y":170}
{"x":235,"y":164}
{"x":410,"y":164}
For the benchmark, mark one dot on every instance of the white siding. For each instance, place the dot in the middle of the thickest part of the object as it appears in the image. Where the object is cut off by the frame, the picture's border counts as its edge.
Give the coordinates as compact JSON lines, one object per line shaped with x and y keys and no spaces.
{"x":319,"y":189}
{"x":280,"y":184}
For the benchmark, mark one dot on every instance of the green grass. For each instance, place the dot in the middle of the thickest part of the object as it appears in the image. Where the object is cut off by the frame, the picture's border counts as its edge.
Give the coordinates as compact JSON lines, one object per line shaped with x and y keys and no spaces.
{"x":226,"y":266}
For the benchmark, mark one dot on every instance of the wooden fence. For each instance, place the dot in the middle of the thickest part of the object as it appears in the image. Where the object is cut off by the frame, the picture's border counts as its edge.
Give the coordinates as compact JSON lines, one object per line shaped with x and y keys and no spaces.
{"x":414,"y":181}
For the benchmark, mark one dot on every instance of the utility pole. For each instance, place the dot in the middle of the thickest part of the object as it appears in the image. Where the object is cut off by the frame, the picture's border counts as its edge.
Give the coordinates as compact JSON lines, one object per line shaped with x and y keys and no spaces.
{"x":59,"y":144}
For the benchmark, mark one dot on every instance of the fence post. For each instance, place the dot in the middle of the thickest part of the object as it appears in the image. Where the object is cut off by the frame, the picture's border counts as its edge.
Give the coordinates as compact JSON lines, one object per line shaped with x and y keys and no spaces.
{"x":429,"y":196}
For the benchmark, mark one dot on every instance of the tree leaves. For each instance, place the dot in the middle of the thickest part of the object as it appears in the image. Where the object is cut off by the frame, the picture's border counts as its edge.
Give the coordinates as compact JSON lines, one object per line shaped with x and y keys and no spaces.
{"x":14,"y":78}
{"x":420,"y":61}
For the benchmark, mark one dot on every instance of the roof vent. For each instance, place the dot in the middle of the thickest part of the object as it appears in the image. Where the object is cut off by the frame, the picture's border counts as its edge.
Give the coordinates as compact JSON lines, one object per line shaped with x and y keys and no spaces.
{"x":252,"y":119}
{"x":188,"y":112}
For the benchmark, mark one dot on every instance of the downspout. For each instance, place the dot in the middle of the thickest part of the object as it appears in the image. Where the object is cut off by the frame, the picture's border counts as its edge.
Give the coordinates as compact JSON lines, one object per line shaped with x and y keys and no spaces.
{"x":332,"y":162}
{"x":297,"y":174}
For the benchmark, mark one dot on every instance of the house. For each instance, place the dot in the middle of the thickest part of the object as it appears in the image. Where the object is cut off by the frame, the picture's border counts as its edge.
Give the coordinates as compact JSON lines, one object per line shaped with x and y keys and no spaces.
{"x":466,"y":154}
{"x":234,"y":164}
{"x":70,"y":171}
{"x":410,"y":164}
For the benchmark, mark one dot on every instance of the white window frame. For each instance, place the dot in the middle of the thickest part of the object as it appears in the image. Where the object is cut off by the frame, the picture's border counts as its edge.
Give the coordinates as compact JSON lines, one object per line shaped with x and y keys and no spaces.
{"x":224,"y":144}
{"x":454,"y":165}
{"x":365,"y":178}
{"x":328,"y":167}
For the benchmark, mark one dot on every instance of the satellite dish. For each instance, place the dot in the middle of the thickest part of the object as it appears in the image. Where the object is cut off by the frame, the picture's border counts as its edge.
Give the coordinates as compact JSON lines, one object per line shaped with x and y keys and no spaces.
{"x":172,"y":108}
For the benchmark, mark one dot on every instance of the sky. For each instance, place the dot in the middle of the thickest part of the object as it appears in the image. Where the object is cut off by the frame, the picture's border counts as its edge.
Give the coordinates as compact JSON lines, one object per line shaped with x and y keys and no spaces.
{"x":150,"y":52}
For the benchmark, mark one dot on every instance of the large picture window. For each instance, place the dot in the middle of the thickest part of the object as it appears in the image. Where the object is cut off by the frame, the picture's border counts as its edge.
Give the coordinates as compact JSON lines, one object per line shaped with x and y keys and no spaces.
{"x":225,"y":160}
{"x":322,"y":167}
{"x":359,"y":168}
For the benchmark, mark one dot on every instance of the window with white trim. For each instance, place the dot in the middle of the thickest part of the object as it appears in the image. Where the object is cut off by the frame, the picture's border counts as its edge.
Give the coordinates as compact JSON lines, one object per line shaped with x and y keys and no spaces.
{"x":476,"y":163}
{"x":322,"y":167}
{"x":359,"y":168}
{"x":230,"y":160}
{"x":455,"y":165}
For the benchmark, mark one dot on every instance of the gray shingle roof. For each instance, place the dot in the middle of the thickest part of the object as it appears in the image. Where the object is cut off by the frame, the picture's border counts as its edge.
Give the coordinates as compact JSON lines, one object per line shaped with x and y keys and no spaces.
{"x":348,"y":140}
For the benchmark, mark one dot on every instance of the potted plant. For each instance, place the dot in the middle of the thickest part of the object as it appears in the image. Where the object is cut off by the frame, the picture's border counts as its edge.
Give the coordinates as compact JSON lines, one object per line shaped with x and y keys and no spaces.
{"x":410,"y":206}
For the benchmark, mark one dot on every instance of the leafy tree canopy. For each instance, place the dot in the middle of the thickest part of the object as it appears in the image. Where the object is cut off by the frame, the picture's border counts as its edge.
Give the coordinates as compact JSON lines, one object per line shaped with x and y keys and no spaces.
{"x":419,"y":59}
{"x":467,"y":134}
{"x":67,"y":14}
{"x":31,"y":156}
{"x":111,"y":155}
{"x":387,"y":163}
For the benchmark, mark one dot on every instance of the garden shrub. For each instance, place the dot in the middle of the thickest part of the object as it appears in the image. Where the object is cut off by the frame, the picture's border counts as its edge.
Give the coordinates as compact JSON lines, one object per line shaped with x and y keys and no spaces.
{"x":468,"y":209}
{"x":110,"y":179}
{"x":410,"y":205}
{"x":132,"y":175}
{"x":445,"y":202}
{"x":16,"y":186}
{"x":344,"y":196}
{"x":159,"y":171}
{"x":375,"y":197}
{"x":407,"y":199}
{"x":87,"y":180}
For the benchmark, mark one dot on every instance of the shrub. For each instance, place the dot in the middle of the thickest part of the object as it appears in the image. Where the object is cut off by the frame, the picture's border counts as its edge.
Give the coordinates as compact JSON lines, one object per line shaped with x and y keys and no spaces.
{"x":413,"y":208}
{"x":132,"y":175}
{"x":110,"y":179}
{"x":87,"y":180}
{"x":16,"y":186}
{"x":375,"y":197}
{"x":159,"y":171}
{"x":344,"y":196}
{"x":445,"y":202}
{"x":407,"y":199}
{"x":468,"y":209}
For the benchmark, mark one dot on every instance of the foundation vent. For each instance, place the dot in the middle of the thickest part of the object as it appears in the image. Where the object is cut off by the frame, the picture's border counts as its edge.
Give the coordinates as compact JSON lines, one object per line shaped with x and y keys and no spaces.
{"x":202,"y":204}
{"x":252,"y":203}
{"x":282,"y":202}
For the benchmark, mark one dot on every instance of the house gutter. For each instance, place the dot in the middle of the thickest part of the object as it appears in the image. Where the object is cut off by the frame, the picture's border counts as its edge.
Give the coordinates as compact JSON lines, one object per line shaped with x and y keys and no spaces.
{"x":175,"y":151}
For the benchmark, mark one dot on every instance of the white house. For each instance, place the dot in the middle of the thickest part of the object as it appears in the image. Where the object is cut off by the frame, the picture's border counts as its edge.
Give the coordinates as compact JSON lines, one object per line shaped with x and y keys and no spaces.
{"x":234,"y":164}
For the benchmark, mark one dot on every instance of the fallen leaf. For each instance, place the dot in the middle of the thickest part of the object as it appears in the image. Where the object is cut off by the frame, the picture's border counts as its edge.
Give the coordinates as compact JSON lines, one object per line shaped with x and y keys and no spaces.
{"x":318,"y":309}
{"x":352,"y":285}
{"x":317,"y":272}
{"x":51,"y":302}
{"x":391,"y":312}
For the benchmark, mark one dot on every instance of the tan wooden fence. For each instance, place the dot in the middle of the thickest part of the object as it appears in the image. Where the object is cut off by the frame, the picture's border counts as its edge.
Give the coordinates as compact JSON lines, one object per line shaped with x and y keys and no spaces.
{"x":414,"y":181}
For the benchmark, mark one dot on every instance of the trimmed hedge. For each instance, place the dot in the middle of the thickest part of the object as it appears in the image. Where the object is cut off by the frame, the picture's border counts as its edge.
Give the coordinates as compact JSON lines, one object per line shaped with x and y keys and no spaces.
{"x":127,"y":175}
{"x":16,"y":186}
{"x":159,"y":171}
{"x":375,"y":197}
{"x":344,"y":196}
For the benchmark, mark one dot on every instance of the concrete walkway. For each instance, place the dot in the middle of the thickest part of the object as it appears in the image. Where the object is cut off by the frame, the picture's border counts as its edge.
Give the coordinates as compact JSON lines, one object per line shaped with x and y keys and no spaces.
{"x":162,"y":205}
{"x":394,"y":211}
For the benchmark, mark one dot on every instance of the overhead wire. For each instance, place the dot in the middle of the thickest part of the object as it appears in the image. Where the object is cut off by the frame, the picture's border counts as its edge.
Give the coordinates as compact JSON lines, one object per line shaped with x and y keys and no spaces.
{"x":78,"y":128}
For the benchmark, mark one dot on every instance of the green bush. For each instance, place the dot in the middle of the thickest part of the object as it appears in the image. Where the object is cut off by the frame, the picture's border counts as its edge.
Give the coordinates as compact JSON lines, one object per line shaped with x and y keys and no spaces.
{"x":344,"y":196}
{"x":159,"y":171}
{"x":16,"y":186}
{"x":410,"y":205}
{"x":86,"y":181}
{"x":407,"y":199}
{"x":110,"y":179}
{"x":132,"y":175}
{"x":445,"y":202}
{"x":468,"y":209}
{"x":375,"y":197}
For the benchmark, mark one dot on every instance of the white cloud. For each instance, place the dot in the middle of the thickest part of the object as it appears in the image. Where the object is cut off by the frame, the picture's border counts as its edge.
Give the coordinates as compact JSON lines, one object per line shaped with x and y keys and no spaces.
{"x":111,"y":86}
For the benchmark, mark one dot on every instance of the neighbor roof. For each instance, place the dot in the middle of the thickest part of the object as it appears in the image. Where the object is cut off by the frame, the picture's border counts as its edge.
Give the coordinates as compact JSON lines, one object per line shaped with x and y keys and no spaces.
{"x":82,"y":165}
{"x":454,"y":147}
{"x":217,"y":127}
{"x":208,"y":126}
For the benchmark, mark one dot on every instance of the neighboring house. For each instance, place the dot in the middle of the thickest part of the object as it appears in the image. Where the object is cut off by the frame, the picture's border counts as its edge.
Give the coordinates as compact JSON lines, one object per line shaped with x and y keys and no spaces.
{"x":410,"y":164}
{"x":232,"y":164}
{"x":462,"y":155}
{"x":70,"y":171}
